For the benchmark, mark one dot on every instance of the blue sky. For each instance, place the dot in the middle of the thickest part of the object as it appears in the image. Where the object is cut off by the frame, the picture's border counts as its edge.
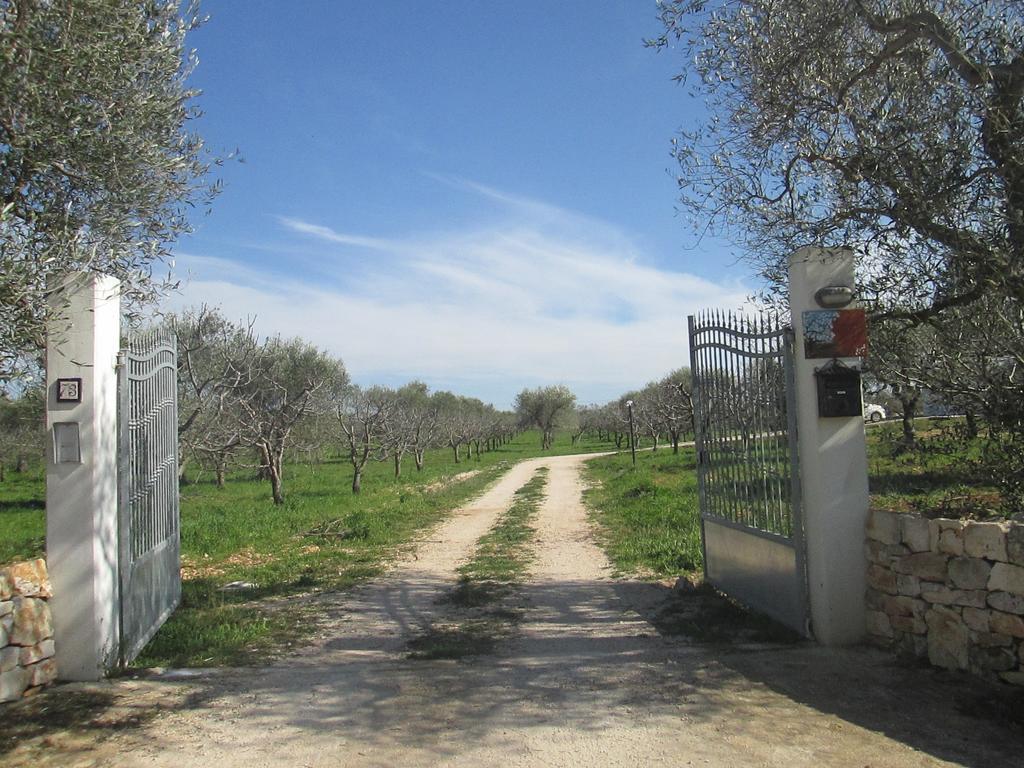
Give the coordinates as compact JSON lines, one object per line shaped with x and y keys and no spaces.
{"x":479,"y":195}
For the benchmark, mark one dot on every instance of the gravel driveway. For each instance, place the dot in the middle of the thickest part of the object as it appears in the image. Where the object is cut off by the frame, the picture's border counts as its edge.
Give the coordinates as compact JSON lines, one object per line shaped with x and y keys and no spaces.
{"x":585,"y":681}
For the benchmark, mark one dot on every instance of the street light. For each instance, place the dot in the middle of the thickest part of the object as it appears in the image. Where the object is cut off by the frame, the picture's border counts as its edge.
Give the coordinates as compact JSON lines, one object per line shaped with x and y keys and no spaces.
{"x":632,"y":431}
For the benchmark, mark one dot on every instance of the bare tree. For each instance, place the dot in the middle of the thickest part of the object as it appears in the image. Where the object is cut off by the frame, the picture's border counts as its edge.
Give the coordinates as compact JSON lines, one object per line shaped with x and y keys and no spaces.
{"x":363,"y":416}
{"x":276,"y":390}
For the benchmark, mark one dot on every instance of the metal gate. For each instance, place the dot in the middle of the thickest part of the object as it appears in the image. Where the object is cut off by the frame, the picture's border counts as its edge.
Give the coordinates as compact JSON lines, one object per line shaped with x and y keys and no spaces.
{"x":148,"y":536}
{"x":748,"y":468}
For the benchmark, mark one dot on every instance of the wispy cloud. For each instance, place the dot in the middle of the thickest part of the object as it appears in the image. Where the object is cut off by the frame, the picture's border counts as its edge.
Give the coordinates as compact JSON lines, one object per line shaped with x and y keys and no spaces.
{"x":328,"y":234}
{"x":528,"y":301}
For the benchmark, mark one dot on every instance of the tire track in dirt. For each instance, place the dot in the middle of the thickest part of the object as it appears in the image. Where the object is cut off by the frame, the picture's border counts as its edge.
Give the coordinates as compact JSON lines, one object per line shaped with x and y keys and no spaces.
{"x":585,"y":681}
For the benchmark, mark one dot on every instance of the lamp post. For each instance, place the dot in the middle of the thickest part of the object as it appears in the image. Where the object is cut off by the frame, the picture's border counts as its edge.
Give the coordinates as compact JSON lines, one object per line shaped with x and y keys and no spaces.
{"x":632,"y":431}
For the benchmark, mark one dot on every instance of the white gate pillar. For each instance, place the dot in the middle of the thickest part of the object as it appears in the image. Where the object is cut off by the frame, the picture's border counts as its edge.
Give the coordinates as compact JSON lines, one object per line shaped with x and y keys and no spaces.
{"x":833,"y":467}
{"x":81,"y":473}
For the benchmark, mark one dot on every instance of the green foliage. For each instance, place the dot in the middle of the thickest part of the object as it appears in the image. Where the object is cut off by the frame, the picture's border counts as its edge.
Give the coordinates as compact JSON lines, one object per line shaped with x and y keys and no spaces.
{"x":98,"y":168}
{"x":649,"y":517}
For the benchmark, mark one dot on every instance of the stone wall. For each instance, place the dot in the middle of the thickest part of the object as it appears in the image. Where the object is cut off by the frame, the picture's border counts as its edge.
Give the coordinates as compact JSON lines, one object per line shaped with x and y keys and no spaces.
{"x":26,"y":630}
{"x":950,"y":591}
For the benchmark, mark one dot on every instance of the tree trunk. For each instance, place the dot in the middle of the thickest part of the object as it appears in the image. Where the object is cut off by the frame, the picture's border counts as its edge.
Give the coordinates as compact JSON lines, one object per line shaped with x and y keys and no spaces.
{"x":22,"y":465}
{"x":220,"y":475}
{"x":357,"y":480}
{"x":419,"y":460}
{"x":456,"y":449}
{"x":276,"y":487}
{"x":971,"y":423}
{"x":2,"y":475}
{"x":675,"y":442}
{"x":398,"y":465}
{"x":909,"y":403}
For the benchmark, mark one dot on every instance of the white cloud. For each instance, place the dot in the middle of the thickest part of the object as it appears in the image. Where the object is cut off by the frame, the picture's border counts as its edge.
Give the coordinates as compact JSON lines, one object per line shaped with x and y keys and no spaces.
{"x":485,"y":312}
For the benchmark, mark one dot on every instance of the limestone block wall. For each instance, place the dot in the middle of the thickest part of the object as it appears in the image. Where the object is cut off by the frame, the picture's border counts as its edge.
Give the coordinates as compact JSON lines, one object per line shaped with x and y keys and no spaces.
{"x":951,"y":591}
{"x":26,"y":630}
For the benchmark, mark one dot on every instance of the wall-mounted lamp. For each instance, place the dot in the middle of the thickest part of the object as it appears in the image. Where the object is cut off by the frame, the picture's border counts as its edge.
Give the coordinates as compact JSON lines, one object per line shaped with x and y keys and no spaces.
{"x":834,"y":296}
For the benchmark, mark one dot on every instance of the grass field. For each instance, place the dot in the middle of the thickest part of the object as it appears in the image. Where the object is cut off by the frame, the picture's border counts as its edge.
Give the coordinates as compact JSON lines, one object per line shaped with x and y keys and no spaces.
{"x":235,"y":534}
{"x":940,"y":477}
{"x":648,"y":518}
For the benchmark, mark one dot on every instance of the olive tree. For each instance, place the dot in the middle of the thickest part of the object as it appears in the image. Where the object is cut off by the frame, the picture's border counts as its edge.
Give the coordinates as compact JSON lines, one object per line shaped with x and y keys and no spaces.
{"x":98,"y":166}
{"x":896,"y":126}
{"x":546,"y":409}
{"x":363,"y":417}
{"x":281,"y":385}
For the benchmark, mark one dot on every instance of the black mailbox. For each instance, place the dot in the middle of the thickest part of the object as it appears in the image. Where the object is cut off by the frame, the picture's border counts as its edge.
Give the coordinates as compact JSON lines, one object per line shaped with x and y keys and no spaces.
{"x":838,"y":390}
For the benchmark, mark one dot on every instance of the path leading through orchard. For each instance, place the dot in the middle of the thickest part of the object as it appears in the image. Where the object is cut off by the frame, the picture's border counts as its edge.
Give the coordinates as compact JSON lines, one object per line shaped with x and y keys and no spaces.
{"x":584,"y":681}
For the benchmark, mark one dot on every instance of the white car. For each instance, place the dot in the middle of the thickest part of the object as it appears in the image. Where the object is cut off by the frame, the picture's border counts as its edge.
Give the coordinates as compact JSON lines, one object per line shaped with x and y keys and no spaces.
{"x":873,"y":413}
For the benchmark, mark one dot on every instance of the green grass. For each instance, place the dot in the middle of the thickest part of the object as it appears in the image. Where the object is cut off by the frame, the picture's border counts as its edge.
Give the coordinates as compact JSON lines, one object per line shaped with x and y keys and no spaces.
{"x":939,"y":477}
{"x":22,"y":515}
{"x":480,"y":613}
{"x":235,"y":533}
{"x":648,"y":517}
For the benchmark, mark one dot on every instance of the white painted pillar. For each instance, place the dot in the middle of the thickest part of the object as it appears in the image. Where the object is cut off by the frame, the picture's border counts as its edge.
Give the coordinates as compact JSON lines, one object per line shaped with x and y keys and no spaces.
{"x":81,"y":497}
{"x":833,"y":467}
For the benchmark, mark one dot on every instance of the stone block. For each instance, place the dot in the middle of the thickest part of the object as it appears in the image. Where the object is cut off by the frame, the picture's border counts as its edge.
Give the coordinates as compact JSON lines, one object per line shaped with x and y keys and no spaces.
{"x":1013,"y":678}
{"x":883,"y":554}
{"x":883,"y":526}
{"x":969,"y":572}
{"x":13,"y":683}
{"x":30,"y":579}
{"x":873,"y":599}
{"x":976,"y":619}
{"x":34,"y":653}
{"x":993,"y":659}
{"x":927,"y":566}
{"x":9,"y":658}
{"x":908,"y":585}
{"x":945,"y":536}
{"x":1007,"y":603}
{"x":1007,"y":578}
{"x":5,"y":586}
{"x":899,"y":605}
{"x":882,"y":579}
{"x":940,"y":594}
{"x":1006,"y":624}
{"x":909,"y":646}
{"x":991,"y":640}
{"x":1015,"y":544}
{"x":42,"y":673}
{"x":986,"y":540}
{"x":7,"y":622}
{"x":6,"y":607}
{"x":878,"y":624}
{"x":32,"y":621}
{"x":948,"y":638}
{"x":914,"y":533}
{"x":909,"y":624}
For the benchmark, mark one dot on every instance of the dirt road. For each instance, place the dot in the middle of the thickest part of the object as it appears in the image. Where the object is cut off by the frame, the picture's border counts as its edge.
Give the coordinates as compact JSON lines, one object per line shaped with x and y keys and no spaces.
{"x":585,"y":681}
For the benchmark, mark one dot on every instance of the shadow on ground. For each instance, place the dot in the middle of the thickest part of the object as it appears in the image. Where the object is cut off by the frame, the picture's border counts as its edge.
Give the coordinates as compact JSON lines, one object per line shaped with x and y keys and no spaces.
{"x":583,"y":664}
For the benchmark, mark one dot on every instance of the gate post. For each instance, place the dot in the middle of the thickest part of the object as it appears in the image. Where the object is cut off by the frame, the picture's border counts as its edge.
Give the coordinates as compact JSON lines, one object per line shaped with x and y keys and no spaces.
{"x":83,"y":339}
{"x":833,"y":467}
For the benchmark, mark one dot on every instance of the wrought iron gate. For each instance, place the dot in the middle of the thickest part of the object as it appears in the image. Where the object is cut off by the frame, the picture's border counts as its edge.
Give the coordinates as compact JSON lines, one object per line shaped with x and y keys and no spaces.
{"x":148,"y":537}
{"x":747,"y":465}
